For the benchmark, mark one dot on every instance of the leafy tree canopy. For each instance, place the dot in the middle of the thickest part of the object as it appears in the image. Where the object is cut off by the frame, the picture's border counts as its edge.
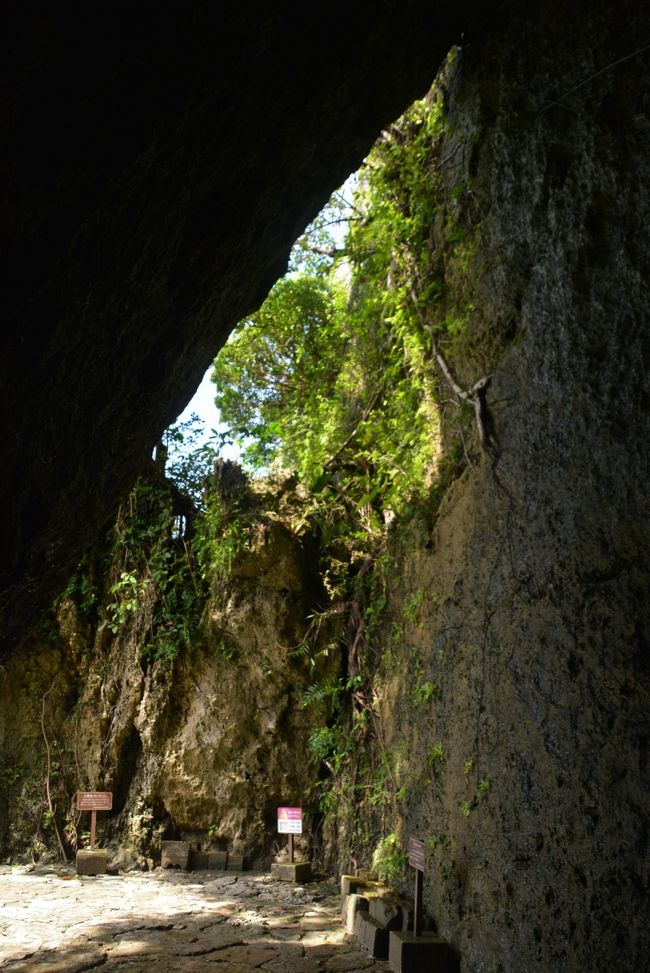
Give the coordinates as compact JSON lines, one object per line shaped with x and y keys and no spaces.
{"x":335,"y":376}
{"x":279,"y":371}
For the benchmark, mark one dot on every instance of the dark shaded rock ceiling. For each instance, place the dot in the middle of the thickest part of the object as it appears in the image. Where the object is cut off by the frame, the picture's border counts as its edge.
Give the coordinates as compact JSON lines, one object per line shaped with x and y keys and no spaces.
{"x":156,"y":168}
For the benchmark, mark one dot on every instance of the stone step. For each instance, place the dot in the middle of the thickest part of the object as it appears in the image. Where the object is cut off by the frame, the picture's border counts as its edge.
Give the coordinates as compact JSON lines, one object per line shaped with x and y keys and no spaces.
{"x":180,"y":854}
{"x":353,"y":903}
{"x":236,"y":862}
{"x":203,"y":861}
{"x":371,"y":934}
{"x":392,"y":911}
{"x":217,"y":860}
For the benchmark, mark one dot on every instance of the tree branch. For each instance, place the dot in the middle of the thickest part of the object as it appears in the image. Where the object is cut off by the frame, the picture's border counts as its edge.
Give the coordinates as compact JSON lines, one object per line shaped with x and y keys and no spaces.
{"x":476,"y":395}
{"x":321,"y":251}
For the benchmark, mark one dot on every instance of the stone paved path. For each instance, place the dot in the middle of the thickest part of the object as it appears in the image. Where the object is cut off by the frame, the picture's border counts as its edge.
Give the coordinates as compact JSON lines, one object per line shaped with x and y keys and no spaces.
{"x":52,"y":921}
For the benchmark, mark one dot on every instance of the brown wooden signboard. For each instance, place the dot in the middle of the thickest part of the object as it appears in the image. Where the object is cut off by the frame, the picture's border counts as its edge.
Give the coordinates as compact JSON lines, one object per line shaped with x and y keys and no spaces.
{"x":416,"y":861}
{"x":94,"y":801}
{"x":416,"y":854}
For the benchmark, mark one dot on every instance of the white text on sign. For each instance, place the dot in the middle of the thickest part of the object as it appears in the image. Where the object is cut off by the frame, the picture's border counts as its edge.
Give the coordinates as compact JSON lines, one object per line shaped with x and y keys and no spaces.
{"x":94,"y":801}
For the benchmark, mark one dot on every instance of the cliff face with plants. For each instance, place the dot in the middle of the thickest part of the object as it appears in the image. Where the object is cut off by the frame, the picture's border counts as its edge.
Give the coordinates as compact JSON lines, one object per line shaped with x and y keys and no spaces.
{"x":517,"y":702}
{"x":170,"y":672}
{"x":456,"y":581}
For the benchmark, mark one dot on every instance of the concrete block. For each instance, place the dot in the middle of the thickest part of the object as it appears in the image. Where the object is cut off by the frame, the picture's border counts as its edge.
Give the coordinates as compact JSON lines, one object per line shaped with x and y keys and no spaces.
{"x":291,"y":871}
{"x":92,"y":861}
{"x":198,"y":861}
{"x":217,"y":860}
{"x":236,"y":863}
{"x":350,"y":883}
{"x":386,"y":911}
{"x":417,"y":954}
{"x":355,"y":903}
{"x":175,"y":854}
{"x":371,"y":935}
{"x":407,"y":913}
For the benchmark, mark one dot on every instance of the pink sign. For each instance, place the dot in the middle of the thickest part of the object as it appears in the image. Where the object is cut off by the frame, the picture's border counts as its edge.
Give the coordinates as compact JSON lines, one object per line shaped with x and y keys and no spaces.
{"x":289,"y":820}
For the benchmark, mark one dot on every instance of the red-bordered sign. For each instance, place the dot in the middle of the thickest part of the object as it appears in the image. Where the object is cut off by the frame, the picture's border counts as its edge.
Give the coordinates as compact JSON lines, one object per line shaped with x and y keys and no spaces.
{"x":289,"y":820}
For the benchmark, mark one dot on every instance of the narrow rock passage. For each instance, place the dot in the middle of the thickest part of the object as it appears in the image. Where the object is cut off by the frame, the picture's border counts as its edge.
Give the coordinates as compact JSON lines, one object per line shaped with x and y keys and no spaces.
{"x":52,"y":921}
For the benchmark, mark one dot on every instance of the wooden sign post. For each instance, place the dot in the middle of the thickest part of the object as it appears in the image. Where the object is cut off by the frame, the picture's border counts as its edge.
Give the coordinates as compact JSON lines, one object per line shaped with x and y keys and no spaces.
{"x":94,"y":801}
{"x":413,"y":952}
{"x":416,"y":861}
{"x":290,"y":823}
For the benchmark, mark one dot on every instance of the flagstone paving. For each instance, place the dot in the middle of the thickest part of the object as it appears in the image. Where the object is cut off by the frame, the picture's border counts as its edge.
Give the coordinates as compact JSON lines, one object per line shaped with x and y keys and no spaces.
{"x":53,"y":921}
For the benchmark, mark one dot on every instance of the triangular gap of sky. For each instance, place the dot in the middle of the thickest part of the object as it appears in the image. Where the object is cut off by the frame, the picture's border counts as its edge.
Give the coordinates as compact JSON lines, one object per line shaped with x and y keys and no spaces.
{"x":202,"y":403}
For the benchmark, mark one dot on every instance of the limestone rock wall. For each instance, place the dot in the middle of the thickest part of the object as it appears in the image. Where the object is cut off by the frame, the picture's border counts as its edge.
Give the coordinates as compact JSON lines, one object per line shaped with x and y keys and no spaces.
{"x":204,"y":747}
{"x":515,"y":699}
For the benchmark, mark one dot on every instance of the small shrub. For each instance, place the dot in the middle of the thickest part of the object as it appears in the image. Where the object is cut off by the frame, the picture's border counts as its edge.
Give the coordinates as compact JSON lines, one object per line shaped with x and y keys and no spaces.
{"x":389,"y":859}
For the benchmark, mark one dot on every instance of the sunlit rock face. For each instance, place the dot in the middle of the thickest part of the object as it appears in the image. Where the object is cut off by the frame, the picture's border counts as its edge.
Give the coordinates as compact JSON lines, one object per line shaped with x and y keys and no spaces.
{"x":156,"y":170}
